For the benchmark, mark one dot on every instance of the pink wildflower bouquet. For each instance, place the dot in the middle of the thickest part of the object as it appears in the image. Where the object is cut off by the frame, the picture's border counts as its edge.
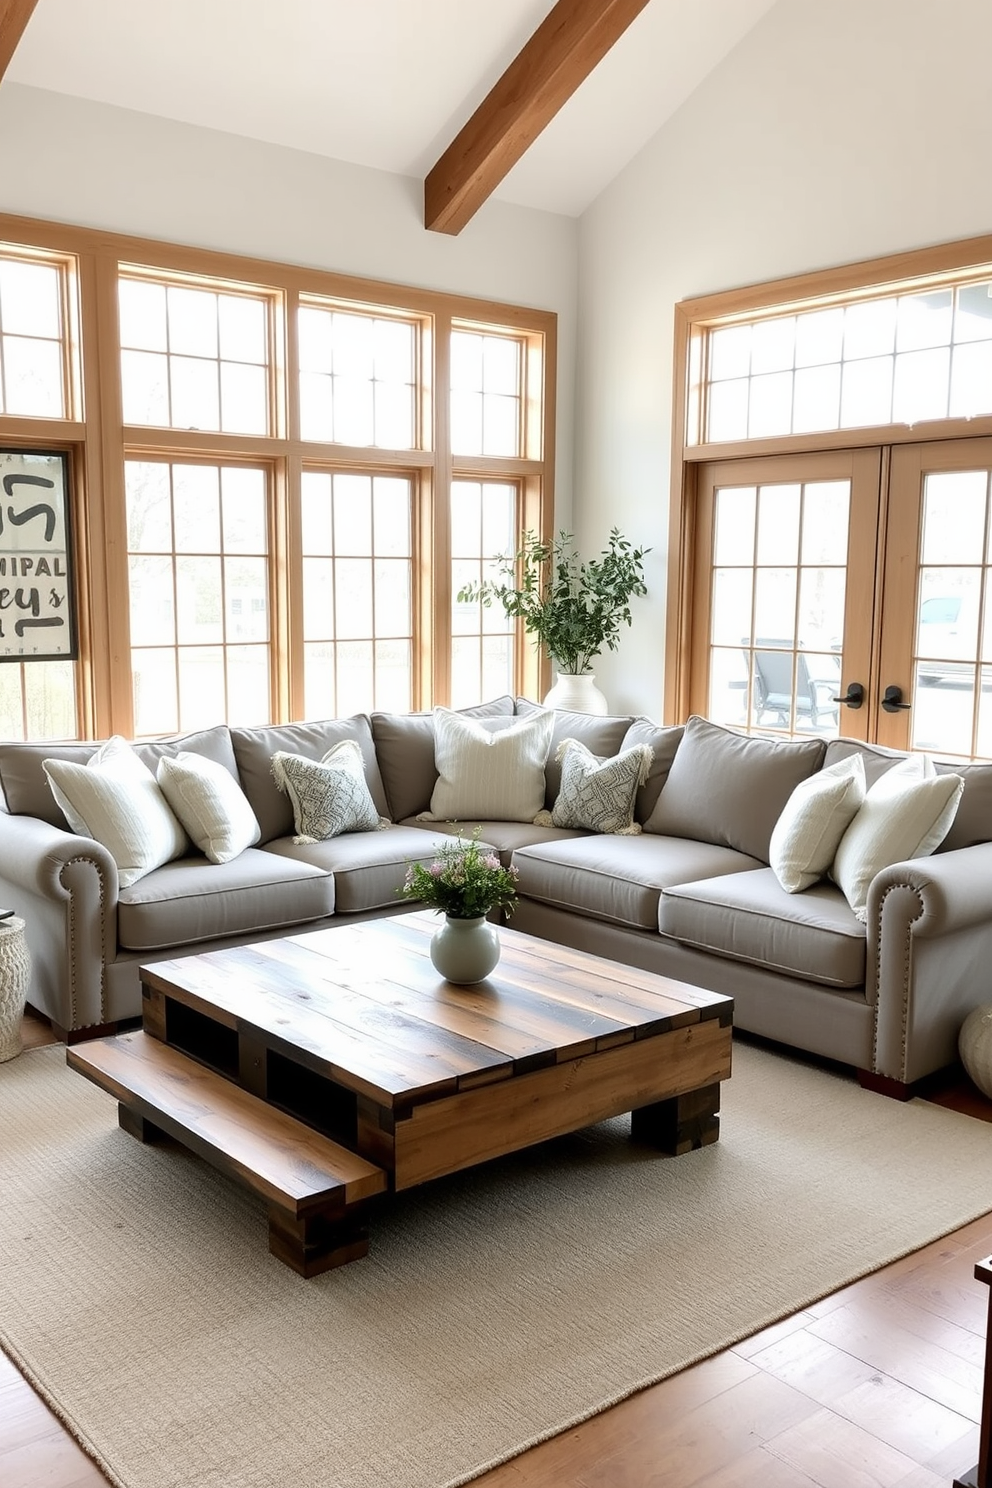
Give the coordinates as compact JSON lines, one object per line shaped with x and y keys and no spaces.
{"x":464,"y":880}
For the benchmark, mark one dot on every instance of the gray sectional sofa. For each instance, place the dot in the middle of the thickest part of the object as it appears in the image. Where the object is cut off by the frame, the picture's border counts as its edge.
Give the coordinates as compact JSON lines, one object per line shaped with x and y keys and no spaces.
{"x":690,"y":895}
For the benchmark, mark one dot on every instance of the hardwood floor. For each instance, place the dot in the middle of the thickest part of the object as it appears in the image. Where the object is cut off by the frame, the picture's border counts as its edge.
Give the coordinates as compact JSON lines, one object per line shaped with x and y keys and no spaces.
{"x":877,"y":1386}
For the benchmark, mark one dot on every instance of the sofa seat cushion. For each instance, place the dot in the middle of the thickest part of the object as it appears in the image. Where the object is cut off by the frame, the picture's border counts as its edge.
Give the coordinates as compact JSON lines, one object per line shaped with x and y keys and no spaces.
{"x":506,"y":837}
{"x":618,"y":878}
{"x":750,"y":917}
{"x":368,"y":867}
{"x":191,"y":900}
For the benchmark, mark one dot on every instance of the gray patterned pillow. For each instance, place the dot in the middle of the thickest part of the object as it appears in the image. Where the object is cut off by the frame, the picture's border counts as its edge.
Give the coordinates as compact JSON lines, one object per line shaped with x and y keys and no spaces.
{"x":599,"y":794}
{"x":329,"y":796}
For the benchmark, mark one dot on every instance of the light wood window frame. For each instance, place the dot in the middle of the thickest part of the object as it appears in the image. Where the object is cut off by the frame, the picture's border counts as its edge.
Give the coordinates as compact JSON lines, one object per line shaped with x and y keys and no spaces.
{"x":899,"y":273}
{"x":98,"y":443}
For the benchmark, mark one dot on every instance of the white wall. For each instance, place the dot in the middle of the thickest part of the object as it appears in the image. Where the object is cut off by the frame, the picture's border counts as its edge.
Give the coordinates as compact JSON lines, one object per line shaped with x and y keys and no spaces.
{"x":837,"y":130}
{"x":85,"y":163}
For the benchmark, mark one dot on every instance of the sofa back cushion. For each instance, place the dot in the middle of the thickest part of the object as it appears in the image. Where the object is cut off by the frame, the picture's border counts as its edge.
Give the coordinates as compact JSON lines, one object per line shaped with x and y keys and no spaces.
{"x":973,"y":822}
{"x":254,"y":748}
{"x":663,"y":743}
{"x":404,"y":746}
{"x":905,"y":814}
{"x":730,"y":789}
{"x":602,"y":734}
{"x":25,"y":784}
{"x":115,"y":799}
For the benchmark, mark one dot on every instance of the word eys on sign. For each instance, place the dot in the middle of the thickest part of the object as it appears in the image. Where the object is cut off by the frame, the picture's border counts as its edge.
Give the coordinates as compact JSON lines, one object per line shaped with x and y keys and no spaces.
{"x":37,"y":609}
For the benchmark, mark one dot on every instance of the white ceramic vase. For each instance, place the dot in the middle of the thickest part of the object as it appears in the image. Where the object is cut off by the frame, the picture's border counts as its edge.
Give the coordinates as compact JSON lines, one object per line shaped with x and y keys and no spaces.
{"x":577,"y":692}
{"x":465,"y":951}
{"x":975,"y":1047}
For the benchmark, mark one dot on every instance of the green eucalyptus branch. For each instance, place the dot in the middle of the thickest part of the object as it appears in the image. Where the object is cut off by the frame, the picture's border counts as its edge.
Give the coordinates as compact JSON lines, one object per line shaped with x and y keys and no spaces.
{"x":572,"y":608}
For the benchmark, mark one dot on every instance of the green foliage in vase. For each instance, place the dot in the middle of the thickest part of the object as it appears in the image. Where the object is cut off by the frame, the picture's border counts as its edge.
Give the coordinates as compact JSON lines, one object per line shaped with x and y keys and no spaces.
{"x":572,"y":608}
{"x":464,"y":880}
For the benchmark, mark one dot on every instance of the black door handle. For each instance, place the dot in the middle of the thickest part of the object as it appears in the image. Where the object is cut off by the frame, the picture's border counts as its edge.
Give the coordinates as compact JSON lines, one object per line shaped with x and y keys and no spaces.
{"x":853,"y":697}
{"x":892,"y":700}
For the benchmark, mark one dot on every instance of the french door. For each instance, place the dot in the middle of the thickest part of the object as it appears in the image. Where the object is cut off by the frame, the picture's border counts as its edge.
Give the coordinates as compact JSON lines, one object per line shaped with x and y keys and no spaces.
{"x":847,"y":592}
{"x":936,"y":636}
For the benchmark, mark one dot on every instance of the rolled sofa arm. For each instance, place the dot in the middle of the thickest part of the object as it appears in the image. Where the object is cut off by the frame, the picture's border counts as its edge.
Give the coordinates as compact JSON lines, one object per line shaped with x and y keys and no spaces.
{"x":65,"y":887}
{"x":930,"y":941}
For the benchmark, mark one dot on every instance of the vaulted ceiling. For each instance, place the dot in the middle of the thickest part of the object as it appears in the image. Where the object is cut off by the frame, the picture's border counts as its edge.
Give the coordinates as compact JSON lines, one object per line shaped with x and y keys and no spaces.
{"x":381,"y":83}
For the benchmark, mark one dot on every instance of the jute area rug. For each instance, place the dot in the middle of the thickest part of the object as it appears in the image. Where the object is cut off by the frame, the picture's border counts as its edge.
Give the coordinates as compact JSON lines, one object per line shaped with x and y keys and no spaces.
{"x":494,"y":1309}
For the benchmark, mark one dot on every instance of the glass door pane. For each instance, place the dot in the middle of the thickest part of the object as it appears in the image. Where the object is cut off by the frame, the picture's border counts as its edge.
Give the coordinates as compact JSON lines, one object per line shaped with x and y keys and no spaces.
{"x":937,"y":630}
{"x":785,"y":570}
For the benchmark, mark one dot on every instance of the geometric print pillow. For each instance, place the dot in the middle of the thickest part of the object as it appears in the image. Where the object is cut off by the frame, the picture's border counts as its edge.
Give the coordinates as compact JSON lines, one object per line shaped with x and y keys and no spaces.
{"x":596,"y":794}
{"x":329,"y":796}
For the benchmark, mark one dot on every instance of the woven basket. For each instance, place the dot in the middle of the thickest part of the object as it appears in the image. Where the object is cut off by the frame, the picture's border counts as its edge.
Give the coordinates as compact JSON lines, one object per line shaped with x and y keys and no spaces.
{"x":15,"y":973}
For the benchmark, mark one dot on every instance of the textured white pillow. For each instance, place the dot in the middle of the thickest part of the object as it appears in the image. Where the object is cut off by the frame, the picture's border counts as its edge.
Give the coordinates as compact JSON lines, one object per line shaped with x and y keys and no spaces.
{"x":114,"y":798}
{"x":210,"y":804}
{"x":815,"y":817}
{"x":906,"y":814}
{"x":485,"y":776}
{"x":599,"y":794}
{"x":329,"y":796}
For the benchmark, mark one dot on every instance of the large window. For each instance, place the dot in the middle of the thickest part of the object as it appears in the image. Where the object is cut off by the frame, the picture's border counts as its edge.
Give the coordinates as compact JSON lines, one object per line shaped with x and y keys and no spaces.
{"x":198,"y":583}
{"x":279,"y":480}
{"x":891,"y":359}
{"x":357,"y":592}
{"x":833,"y":505}
{"x":32,"y":337}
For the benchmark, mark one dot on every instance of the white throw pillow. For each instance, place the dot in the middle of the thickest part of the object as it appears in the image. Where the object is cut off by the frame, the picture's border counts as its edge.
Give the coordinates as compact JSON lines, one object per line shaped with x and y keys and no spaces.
{"x":329,"y":796}
{"x":815,"y":817}
{"x":210,"y":804}
{"x":906,"y":814}
{"x":599,"y":794}
{"x":485,"y":776}
{"x":114,"y":798}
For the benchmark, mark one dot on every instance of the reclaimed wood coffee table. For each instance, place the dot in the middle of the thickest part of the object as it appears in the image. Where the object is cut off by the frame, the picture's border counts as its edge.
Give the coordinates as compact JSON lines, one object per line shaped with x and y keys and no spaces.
{"x":326,"y":1068}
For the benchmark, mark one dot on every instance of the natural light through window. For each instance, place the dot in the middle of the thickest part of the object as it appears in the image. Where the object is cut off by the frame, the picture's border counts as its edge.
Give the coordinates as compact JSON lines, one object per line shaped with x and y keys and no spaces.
{"x":357,"y":378}
{"x":32,"y":371}
{"x":194,"y":358}
{"x":357,"y":592}
{"x":900,"y":359}
{"x":483,"y":525}
{"x":199,"y":594}
{"x":778,"y":598}
{"x":486,"y":394}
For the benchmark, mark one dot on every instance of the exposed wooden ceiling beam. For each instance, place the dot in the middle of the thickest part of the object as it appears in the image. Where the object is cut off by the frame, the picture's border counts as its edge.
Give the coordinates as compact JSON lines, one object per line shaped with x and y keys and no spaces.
{"x":573,"y":37}
{"x":14,"y":16}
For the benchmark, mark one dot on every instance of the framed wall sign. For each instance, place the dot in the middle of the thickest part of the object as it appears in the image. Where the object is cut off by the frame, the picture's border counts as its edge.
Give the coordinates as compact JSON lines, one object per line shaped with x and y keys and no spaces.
{"x":37,"y":600}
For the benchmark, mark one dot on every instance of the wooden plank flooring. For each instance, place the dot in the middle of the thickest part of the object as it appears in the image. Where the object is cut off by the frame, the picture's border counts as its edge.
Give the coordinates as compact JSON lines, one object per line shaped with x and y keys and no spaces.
{"x":877,"y":1386}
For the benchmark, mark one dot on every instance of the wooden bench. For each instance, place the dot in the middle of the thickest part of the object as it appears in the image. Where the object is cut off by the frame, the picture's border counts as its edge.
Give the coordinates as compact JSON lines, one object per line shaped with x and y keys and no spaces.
{"x":316,"y":1189}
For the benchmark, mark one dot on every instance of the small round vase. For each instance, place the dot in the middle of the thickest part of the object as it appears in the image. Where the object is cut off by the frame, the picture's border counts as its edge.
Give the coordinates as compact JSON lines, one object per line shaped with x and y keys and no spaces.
{"x":465,"y":951}
{"x":975,"y":1047}
{"x":577,"y":691}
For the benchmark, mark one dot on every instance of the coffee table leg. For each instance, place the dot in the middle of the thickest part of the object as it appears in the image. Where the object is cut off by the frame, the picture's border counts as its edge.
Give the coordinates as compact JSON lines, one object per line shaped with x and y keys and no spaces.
{"x":138,"y":1126}
{"x":680,"y":1124}
{"x":315,"y":1243}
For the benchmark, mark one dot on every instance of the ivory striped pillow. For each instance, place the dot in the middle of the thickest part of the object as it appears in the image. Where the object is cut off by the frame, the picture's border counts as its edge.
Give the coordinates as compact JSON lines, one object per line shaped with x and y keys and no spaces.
{"x":484,"y":776}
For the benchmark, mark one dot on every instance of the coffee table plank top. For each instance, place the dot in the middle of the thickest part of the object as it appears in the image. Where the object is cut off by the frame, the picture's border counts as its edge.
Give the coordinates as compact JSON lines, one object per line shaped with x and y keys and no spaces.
{"x":524,"y":1025}
{"x":347,"y":1042}
{"x":363,"y":1004}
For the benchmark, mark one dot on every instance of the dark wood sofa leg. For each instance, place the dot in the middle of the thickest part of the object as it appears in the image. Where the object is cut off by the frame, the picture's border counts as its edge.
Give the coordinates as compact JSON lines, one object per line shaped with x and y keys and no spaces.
{"x":92,"y":1030}
{"x":883,"y":1085}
